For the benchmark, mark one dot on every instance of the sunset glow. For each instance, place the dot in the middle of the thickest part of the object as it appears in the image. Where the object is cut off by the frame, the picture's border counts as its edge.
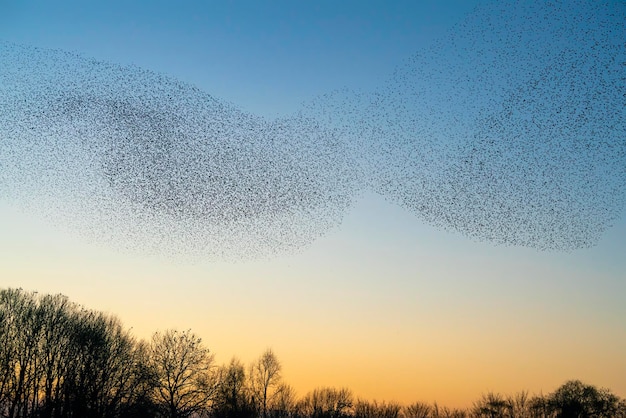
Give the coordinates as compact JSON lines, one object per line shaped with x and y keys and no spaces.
{"x":383,"y":302}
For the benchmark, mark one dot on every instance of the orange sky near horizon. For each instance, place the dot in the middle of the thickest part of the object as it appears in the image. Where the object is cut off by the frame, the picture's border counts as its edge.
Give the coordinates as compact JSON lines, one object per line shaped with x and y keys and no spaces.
{"x":469,"y":320}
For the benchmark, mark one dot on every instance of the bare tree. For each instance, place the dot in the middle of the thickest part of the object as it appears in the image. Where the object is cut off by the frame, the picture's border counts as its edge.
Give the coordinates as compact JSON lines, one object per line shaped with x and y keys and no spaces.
{"x":417,"y":410}
{"x":144,"y":380}
{"x":374,"y":409}
{"x":283,"y":403}
{"x":17,"y":348}
{"x":539,"y":407}
{"x":55,"y":351}
{"x":576,"y":399}
{"x":492,"y":405}
{"x":264,"y":378}
{"x":99,"y":367}
{"x":232,"y":396}
{"x":184,"y":371}
{"x":58,"y":360}
{"x":445,"y":412}
{"x":326,"y":403}
{"x":520,"y":405}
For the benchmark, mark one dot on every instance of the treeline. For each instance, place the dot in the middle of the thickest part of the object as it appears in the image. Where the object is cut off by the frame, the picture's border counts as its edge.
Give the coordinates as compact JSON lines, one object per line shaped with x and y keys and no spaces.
{"x":58,"y":359}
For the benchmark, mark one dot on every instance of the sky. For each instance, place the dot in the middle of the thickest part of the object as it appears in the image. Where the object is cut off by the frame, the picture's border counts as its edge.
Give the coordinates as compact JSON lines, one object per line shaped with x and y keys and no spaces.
{"x":384,"y":303}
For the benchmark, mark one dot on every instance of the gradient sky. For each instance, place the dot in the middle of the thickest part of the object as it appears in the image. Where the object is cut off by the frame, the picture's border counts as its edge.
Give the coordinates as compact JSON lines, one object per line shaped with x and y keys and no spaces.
{"x":388,"y":306}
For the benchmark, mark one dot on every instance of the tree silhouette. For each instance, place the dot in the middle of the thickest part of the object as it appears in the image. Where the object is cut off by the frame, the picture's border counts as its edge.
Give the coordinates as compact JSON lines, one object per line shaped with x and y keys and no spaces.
{"x":445,"y":412}
{"x":20,"y":327}
{"x":417,"y":410}
{"x":374,"y":409}
{"x":232,"y":397}
{"x":492,"y":405}
{"x":283,"y":403}
{"x":101,"y":377}
{"x":326,"y":403}
{"x":264,"y":377}
{"x":183,"y":367}
{"x":577,"y":399}
{"x":60,"y":360}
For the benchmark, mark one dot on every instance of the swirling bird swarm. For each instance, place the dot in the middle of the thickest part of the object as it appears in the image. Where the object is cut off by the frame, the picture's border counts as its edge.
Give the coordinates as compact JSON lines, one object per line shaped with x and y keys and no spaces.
{"x":510,"y":129}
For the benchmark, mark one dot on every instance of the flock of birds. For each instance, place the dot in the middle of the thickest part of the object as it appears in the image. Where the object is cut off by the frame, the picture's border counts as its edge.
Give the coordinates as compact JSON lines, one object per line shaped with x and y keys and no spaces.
{"x":510,"y":129}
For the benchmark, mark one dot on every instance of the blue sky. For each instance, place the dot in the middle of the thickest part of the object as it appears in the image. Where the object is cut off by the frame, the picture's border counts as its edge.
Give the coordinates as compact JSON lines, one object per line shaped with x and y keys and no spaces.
{"x":385,"y":304}
{"x":266,"y":57}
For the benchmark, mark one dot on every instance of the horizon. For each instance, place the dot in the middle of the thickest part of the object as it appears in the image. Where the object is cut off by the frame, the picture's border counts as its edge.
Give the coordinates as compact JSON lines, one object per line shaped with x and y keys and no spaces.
{"x":519,"y":399}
